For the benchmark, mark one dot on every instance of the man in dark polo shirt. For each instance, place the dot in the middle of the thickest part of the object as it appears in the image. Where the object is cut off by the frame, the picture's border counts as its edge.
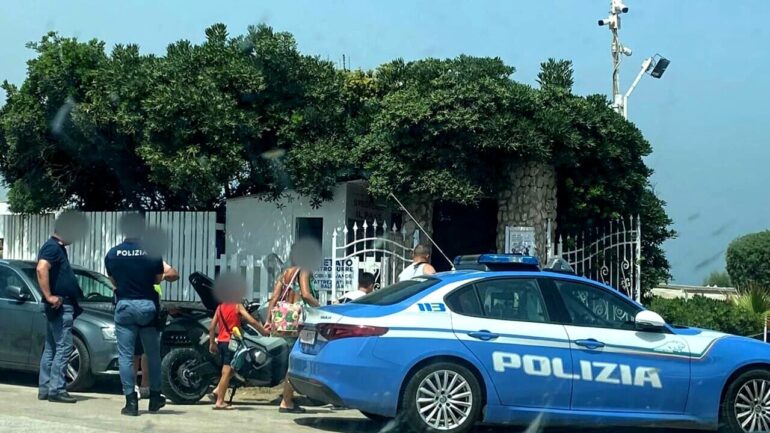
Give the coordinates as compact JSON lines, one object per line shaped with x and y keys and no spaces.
{"x":135,"y":274}
{"x":61,"y":292}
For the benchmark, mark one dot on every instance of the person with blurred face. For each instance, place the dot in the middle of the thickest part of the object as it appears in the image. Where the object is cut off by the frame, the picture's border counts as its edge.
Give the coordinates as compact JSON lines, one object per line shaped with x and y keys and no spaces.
{"x":135,"y":273}
{"x":227,"y":316}
{"x":420,"y":264}
{"x":295,"y":286}
{"x":60,"y":292}
{"x":365,"y":286}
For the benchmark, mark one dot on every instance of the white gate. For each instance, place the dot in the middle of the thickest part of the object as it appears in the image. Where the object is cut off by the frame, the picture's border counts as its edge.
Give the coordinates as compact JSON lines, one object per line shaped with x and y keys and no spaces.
{"x":191,"y":242}
{"x":610,"y":254}
{"x":380,"y":249}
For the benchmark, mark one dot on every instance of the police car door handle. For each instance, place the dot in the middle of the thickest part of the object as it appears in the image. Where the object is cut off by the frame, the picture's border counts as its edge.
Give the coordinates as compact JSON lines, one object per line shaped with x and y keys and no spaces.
{"x":483,"y":335}
{"x":590,"y":343}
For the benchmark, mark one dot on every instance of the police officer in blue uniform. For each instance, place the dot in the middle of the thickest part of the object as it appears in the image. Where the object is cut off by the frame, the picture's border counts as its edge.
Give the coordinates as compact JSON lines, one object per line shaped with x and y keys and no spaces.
{"x":135,"y":274}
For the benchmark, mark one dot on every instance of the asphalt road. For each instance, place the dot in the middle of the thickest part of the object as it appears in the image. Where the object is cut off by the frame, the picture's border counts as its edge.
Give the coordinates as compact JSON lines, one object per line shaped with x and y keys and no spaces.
{"x":99,"y":411}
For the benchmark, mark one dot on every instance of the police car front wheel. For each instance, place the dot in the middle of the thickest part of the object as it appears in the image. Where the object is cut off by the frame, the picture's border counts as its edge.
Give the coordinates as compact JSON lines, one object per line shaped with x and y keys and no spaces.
{"x":746,"y":406}
{"x":442,"y":397}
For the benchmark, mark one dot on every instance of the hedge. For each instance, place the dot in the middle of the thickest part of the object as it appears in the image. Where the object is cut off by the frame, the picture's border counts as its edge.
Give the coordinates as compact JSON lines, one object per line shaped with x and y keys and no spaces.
{"x":707,"y":313}
{"x":748,"y":259}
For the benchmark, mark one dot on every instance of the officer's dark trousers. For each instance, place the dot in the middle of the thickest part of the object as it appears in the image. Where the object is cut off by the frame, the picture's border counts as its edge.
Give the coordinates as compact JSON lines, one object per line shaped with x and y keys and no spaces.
{"x":134,"y":319}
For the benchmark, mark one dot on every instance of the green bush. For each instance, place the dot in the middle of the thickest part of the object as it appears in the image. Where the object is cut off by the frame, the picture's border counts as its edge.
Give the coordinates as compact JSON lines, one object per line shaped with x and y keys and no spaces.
{"x":748,"y":259}
{"x":707,"y":313}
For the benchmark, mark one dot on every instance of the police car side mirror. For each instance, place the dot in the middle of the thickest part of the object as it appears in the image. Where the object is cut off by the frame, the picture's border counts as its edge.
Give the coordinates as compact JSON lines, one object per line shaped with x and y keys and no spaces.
{"x":17,"y":293}
{"x":649,"y":321}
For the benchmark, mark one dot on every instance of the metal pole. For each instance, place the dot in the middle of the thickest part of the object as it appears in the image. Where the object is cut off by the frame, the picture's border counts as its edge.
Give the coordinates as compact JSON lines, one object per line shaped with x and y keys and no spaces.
{"x":645,"y":66}
{"x":616,"y":96}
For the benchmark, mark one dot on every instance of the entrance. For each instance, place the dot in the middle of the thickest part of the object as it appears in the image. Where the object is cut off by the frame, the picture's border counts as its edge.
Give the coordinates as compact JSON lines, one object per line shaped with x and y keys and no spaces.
{"x":460,"y":230}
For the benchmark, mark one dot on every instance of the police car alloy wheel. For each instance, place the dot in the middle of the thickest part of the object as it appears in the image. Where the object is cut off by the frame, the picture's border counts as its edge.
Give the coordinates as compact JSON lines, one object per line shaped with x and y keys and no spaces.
{"x":747,"y":403}
{"x":442,"y":397}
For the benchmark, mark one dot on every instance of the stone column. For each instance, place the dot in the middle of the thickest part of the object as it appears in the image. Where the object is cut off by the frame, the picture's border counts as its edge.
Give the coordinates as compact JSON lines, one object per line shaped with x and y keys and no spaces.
{"x":528,"y":199}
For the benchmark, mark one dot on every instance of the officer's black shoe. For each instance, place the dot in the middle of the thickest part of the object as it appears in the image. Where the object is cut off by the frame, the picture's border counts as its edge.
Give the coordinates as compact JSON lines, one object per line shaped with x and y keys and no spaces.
{"x":157,"y":401}
{"x":42,"y":396}
{"x":63,"y":397}
{"x":132,"y":405}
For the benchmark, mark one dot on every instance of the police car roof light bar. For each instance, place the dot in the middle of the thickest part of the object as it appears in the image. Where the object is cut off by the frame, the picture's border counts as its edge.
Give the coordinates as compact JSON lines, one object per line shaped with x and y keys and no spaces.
{"x":498,"y":262}
{"x":423,"y":231}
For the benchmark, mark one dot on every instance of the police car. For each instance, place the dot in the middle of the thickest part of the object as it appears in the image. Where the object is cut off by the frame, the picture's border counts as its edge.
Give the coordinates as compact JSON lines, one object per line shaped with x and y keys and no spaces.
{"x":502,"y":341}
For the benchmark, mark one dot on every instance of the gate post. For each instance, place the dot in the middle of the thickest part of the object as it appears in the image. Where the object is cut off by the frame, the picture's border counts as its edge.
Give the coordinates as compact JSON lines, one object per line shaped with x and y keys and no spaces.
{"x":334,"y":265}
{"x":638,"y":282}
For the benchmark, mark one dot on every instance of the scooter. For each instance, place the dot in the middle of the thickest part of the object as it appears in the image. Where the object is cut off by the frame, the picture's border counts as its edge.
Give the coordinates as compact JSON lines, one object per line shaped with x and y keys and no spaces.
{"x":189,"y":371}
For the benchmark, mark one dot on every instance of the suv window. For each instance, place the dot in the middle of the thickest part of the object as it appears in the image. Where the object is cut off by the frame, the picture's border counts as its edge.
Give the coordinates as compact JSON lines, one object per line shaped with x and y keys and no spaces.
{"x":8,"y":278}
{"x":396,"y":293}
{"x":591,"y":306}
{"x":95,"y":287}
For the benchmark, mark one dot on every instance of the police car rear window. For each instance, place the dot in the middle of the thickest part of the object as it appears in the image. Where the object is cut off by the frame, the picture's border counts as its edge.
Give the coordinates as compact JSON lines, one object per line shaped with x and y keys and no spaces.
{"x":397,"y":292}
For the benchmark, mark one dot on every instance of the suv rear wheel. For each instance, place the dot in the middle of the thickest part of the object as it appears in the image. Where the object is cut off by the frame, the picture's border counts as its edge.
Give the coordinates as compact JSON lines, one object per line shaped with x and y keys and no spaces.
{"x":78,"y":374}
{"x":746,"y":406}
{"x":442,"y":397}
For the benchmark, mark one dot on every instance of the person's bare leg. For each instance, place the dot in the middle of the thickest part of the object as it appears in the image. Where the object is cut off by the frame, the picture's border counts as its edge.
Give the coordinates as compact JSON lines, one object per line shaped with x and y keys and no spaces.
{"x":288,"y":395}
{"x":224,"y":383}
{"x":136,"y":365}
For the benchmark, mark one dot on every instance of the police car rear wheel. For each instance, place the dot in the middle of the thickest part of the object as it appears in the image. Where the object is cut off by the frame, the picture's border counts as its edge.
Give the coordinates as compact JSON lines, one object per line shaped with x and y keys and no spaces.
{"x":442,"y":397}
{"x":747,"y":403}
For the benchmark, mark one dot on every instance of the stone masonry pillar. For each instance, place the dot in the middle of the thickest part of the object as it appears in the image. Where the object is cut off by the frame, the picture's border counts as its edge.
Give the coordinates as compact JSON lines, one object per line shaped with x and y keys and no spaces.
{"x":528,"y":199}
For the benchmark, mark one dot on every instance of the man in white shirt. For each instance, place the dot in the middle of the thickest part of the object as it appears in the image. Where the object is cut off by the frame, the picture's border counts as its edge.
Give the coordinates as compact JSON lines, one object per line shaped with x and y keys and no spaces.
{"x":365,"y":286}
{"x":420,"y":264}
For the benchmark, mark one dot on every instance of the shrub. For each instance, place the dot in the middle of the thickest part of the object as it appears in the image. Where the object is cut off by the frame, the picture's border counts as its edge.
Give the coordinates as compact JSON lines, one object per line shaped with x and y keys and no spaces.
{"x":719,"y":279}
{"x":707,"y":313}
{"x":748,"y":259}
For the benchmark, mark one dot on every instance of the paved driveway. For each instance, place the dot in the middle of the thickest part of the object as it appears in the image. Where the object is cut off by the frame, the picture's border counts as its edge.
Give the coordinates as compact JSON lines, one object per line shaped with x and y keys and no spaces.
{"x":99,"y":412}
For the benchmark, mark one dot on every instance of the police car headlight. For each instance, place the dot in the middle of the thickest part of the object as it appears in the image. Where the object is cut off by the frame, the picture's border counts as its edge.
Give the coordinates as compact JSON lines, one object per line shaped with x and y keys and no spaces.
{"x":108,"y":332}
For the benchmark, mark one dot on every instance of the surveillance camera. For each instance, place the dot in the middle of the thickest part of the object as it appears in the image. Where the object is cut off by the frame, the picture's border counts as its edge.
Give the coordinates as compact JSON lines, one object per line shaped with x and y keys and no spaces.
{"x":604,"y":22}
{"x":619,"y":7}
{"x":627,"y":51}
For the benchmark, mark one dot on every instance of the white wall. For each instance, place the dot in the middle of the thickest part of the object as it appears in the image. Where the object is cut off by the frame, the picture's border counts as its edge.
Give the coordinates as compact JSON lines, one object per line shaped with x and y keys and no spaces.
{"x":258,"y":227}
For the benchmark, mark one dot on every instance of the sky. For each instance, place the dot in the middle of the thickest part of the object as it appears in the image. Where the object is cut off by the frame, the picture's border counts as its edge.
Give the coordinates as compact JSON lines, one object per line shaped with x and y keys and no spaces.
{"x":705,"y":118}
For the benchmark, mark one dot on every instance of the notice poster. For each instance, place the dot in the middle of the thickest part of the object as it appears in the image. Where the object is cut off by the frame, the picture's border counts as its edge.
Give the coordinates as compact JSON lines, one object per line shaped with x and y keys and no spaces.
{"x":346,"y":271}
{"x":520,"y":240}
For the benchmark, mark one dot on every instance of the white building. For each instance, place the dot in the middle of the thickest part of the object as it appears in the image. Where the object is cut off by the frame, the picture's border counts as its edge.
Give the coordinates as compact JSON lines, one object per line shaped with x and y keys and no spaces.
{"x":255,"y":226}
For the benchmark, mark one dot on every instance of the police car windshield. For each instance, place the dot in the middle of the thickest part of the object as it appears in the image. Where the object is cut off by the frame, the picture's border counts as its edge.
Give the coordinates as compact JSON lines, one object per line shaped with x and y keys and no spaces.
{"x":398,"y":292}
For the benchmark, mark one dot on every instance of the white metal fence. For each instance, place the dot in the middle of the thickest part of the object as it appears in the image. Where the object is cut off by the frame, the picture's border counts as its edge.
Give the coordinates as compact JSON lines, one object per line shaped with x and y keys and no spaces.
{"x":379,"y":248}
{"x":191,"y":240}
{"x":260,"y":273}
{"x":610,"y":254}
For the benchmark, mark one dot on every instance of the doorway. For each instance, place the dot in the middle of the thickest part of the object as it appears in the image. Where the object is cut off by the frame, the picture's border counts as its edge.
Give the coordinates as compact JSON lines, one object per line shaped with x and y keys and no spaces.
{"x":464,"y":229}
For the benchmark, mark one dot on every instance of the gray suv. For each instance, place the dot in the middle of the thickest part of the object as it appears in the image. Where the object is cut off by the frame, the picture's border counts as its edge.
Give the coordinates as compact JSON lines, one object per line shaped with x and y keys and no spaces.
{"x":22,"y":324}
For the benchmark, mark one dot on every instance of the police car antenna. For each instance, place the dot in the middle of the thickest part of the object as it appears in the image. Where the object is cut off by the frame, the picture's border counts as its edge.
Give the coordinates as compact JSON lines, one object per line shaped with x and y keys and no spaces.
{"x":423,"y":230}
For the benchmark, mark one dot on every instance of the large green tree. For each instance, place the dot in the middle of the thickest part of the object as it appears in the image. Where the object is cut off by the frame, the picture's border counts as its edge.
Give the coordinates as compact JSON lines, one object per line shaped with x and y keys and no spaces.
{"x":250,"y":114}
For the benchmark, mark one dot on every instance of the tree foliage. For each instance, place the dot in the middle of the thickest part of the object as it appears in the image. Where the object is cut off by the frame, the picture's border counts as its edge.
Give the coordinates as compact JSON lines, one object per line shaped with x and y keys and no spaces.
{"x":718,"y":279}
{"x":748,"y":259}
{"x":251,"y":114}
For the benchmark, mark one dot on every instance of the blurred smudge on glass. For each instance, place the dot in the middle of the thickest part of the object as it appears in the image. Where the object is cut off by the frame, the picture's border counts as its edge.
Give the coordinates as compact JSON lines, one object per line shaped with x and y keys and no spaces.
{"x":71,"y":226}
{"x":229,"y":288}
{"x":61,"y":115}
{"x":708,"y":261}
{"x":273,"y":153}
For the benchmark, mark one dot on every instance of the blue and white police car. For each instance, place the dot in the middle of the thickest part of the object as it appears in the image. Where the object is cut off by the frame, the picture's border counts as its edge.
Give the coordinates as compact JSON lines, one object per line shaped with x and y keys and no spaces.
{"x":501,"y":341}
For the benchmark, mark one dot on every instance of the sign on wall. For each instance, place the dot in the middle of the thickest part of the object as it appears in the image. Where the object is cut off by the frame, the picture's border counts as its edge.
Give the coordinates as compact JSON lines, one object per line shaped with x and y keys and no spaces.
{"x":520,"y":240}
{"x":347,"y":275}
